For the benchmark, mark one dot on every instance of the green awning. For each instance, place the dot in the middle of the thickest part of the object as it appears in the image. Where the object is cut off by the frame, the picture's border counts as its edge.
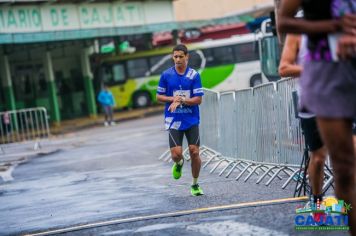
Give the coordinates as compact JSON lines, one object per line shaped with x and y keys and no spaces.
{"x":18,"y":38}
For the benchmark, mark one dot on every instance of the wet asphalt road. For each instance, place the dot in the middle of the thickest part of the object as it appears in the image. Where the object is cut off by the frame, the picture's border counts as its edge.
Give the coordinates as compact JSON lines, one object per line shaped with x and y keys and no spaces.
{"x":110,"y":173}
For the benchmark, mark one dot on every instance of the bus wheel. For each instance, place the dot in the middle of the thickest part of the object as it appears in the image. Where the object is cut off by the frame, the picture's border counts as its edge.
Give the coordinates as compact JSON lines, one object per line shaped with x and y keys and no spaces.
{"x":141,"y":99}
{"x":255,"y":80}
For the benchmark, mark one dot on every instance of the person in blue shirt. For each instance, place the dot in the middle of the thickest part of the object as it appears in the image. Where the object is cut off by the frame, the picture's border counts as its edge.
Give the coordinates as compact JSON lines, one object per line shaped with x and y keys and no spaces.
{"x":180,"y":88}
{"x":107,"y":101}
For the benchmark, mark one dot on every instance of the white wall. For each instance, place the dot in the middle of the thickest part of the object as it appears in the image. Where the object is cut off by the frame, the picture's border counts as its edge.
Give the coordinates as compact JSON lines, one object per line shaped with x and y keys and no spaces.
{"x":206,"y":9}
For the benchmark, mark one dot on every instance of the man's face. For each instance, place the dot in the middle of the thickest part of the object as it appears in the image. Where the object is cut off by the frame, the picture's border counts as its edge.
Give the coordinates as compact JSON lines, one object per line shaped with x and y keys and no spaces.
{"x":180,"y":60}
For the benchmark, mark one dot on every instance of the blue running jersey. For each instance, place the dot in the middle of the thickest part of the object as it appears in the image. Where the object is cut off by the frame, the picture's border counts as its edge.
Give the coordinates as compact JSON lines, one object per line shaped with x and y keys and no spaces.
{"x":189,"y":85}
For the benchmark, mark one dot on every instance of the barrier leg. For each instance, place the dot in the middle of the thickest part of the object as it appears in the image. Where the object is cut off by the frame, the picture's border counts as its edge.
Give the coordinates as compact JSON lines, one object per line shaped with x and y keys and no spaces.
{"x":208,"y":162}
{"x":227,"y":166}
{"x":232,"y":169}
{"x":244,"y":170}
{"x":164,"y":154}
{"x":289,"y":179}
{"x":37,"y":146}
{"x":217,"y":165}
{"x":264,"y":175}
{"x":253,"y":171}
{"x":274,"y":176}
{"x":271,"y":174}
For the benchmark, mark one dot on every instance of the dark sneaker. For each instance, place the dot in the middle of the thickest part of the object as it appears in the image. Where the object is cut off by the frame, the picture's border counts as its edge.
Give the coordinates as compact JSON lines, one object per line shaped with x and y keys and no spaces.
{"x":177,"y":170}
{"x":196,"y":190}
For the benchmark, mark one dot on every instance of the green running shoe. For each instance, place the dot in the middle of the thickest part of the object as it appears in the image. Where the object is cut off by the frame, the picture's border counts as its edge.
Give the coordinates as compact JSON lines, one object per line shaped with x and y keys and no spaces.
{"x":196,"y":190}
{"x":177,"y":170}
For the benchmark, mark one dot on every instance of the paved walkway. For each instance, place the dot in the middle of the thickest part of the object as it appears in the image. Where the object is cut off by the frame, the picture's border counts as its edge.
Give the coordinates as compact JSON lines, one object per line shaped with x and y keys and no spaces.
{"x":111,"y":174}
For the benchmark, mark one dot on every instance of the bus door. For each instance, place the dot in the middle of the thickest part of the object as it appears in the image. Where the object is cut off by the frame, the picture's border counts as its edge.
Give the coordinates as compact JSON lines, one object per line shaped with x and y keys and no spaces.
{"x":114,"y":76}
{"x":270,"y":57}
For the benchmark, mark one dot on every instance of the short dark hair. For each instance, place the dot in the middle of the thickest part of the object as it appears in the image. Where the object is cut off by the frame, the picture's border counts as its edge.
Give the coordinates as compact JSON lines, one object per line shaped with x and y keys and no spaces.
{"x":181,"y":47}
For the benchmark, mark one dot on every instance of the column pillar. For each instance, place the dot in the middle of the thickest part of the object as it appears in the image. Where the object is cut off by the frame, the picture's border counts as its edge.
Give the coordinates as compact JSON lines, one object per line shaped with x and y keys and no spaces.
{"x":7,"y":83}
{"x":48,"y":67}
{"x":88,"y":81}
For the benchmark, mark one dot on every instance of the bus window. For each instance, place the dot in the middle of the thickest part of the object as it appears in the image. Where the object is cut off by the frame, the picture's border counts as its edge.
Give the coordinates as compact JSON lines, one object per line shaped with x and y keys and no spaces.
{"x":223,"y":55}
{"x":160,"y":63}
{"x":270,"y":57}
{"x":246,"y":52}
{"x":119,"y":73}
{"x":137,"y":67}
{"x":195,"y":60}
{"x":107,"y":74}
{"x":113,"y":74}
{"x":210,"y":60}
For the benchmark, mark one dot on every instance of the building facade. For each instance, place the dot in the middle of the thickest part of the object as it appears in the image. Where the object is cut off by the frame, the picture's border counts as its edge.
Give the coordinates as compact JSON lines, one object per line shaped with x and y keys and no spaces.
{"x":45,"y":49}
{"x":186,"y":10}
{"x":46,"y":46}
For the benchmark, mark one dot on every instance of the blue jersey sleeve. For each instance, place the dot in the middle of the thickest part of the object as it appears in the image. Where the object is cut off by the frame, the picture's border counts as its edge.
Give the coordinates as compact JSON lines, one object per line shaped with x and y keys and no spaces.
{"x":162,"y":85}
{"x":197,"y":87}
{"x":100,"y":97}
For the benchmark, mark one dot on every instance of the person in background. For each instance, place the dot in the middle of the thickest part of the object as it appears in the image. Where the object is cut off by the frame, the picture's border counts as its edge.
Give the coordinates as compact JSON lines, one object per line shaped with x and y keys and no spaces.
{"x":107,"y":101}
{"x":291,"y":65}
{"x":181,"y":89}
{"x":6,"y":122}
{"x":328,"y":82}
{"x":354,"y":133}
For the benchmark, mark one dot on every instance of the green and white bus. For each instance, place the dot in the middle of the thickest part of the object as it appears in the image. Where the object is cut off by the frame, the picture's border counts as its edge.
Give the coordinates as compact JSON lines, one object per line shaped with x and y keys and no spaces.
{"x":225,"y":64}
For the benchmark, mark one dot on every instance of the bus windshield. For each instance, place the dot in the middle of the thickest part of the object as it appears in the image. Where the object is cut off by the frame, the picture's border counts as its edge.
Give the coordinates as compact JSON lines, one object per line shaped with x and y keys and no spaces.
{"x":270,"y":56}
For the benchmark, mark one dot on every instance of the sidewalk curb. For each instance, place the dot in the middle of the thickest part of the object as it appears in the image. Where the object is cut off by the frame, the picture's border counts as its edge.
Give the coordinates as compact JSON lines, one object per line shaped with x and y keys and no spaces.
{"x":89,"y":122}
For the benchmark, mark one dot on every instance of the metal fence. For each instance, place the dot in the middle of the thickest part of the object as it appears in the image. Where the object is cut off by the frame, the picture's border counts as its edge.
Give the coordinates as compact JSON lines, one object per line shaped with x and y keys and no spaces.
{"x":211,"y":136}
{"x":253,"y":132}
{"x":246,"y":125}
{"x":253,"y":124}
{"x":257,"y":133}
{"x":24,"y":125}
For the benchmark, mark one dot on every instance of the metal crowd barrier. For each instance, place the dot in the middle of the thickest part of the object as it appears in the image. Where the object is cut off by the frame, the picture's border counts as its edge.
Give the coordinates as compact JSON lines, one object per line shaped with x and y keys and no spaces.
{"x":252,"y":132}
{"x":258,"y":133}
{"x":23,"y":125}
{"x":209,"y":117}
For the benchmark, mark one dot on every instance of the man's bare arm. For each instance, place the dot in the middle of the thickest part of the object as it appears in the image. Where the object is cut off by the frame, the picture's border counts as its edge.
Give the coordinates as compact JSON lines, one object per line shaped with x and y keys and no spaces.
{"x":164,"y":98}
{"x":288,"y":24}
{"x":288,"y":66}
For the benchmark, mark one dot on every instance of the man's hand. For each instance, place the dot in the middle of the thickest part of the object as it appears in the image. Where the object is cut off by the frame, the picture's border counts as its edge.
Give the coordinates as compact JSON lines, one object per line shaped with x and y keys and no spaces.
{"x":173,"y":106}
{"x":348,"y":24}
{"x":346,"y":46}
{"x":178,"y":99}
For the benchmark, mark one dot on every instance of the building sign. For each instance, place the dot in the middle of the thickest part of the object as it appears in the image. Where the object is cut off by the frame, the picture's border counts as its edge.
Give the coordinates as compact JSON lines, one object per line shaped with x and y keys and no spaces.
{"x":59,"y":17}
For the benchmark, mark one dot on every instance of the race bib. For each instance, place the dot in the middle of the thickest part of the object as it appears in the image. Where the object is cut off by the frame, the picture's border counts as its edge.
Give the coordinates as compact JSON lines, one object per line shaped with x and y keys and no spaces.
{"x":182,"y":93}
{"x":332,"y":40}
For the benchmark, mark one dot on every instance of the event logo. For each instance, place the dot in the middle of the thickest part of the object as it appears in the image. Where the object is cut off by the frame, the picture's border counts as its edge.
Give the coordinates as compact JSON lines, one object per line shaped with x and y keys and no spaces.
{"x":329,"y":214}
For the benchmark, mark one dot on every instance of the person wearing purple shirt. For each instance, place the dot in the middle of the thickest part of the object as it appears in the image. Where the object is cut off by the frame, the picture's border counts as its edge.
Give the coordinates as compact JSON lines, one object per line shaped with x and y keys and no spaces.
{"x":328,"y":81}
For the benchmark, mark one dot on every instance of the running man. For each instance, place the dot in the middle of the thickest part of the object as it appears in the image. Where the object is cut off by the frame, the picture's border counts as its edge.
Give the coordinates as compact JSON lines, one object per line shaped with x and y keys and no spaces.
{"x":180,"y":88}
